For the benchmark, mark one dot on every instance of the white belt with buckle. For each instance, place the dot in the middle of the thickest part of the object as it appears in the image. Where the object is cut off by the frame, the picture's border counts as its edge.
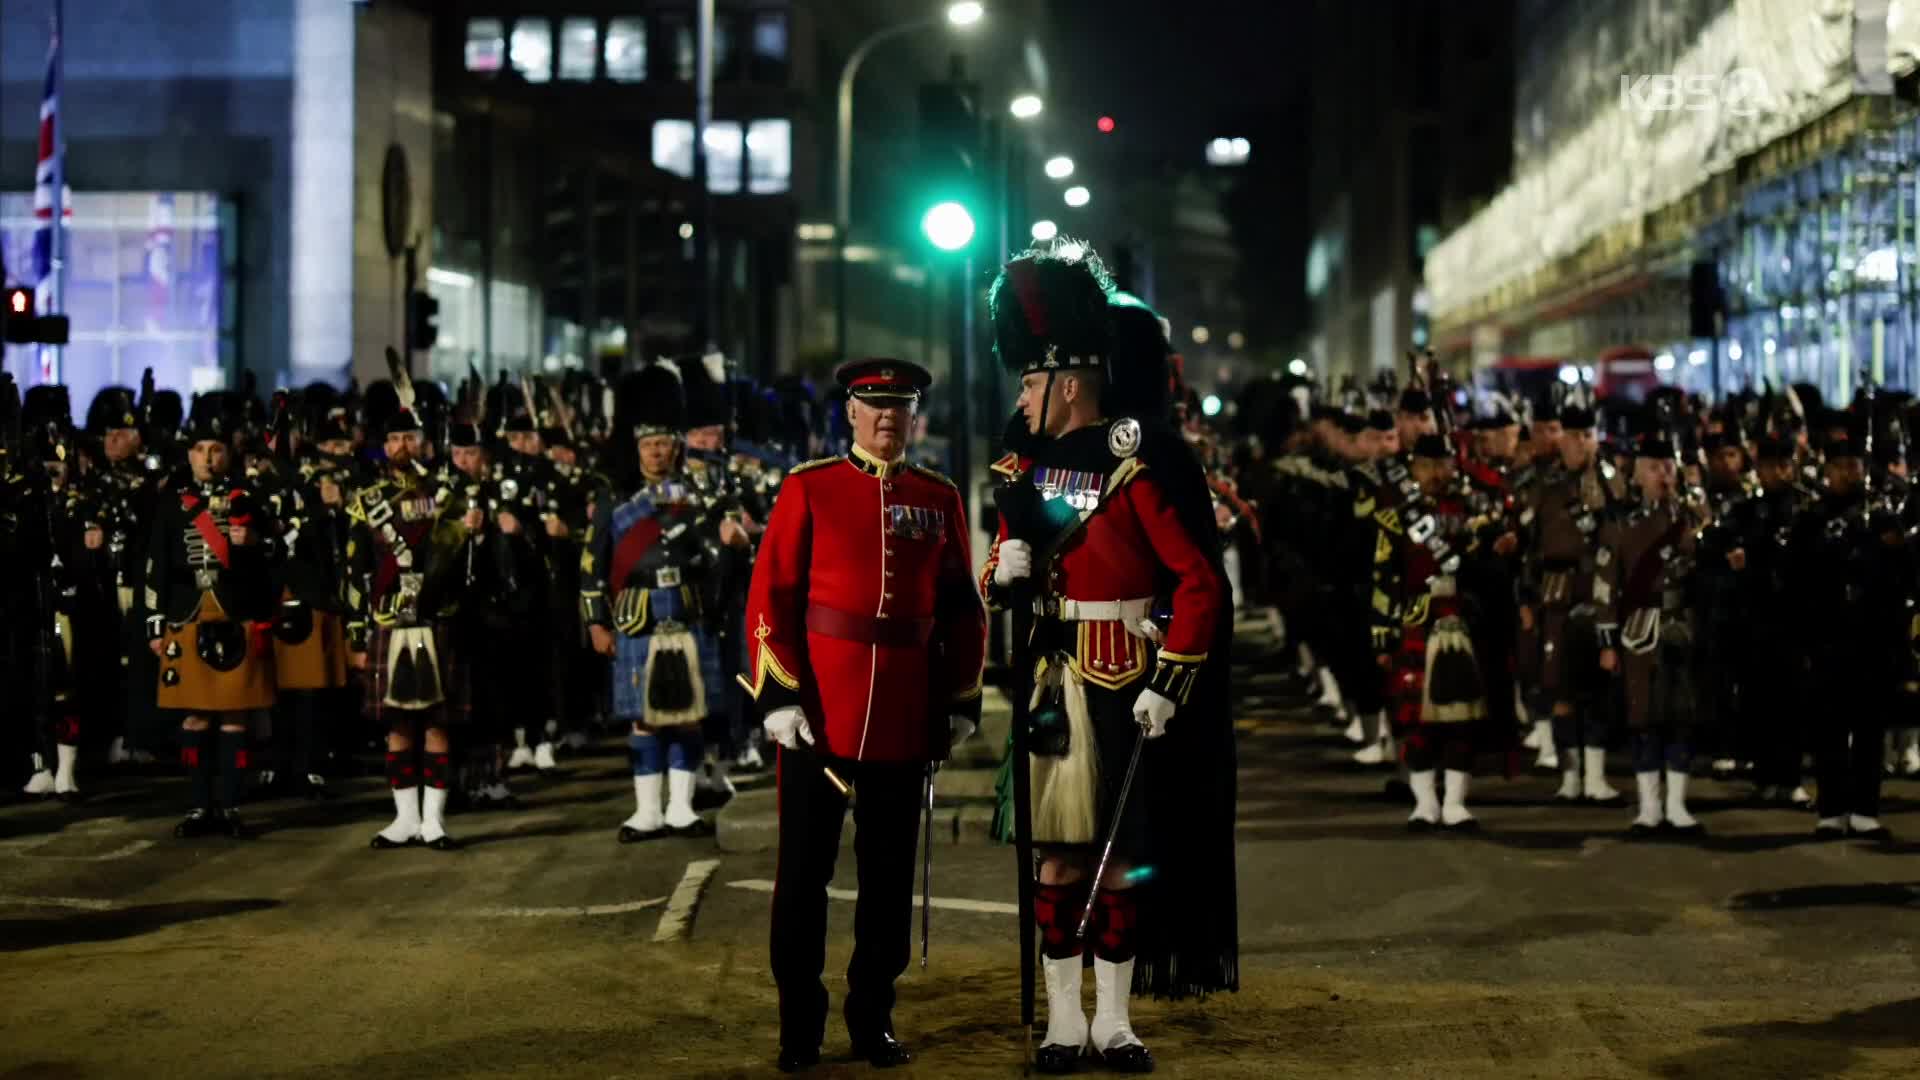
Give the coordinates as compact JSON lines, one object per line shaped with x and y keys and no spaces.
{"x":1124,"y":611}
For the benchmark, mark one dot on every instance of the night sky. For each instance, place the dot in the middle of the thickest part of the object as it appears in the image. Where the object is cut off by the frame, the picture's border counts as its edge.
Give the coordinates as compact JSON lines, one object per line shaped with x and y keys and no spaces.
{"x":1176,"y":73}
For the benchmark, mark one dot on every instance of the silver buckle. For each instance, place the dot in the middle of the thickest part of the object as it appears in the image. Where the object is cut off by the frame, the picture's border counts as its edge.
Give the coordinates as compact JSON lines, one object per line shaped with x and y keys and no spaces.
{"x":205,"y":579}
{"x":667,"y":577}
{"x":407,"y":605}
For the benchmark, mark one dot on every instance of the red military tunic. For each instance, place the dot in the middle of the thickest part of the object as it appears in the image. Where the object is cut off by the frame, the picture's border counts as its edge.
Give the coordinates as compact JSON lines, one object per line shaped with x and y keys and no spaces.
{"x":862,"y":609}
{"x":1126,"y":550}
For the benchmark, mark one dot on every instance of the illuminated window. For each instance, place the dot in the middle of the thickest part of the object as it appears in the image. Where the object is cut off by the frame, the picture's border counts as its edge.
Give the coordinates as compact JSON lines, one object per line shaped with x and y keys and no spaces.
{"x":533,"y":49}
{"x":627,"y":49}
{"x":579,"y":44}
{"x":486,"y":45}
{"x":673,"y":146}
{"x":770,"y":140}
{"x":770,"y":48}
{"x":723,"y":157}
{"x":769,"y":156}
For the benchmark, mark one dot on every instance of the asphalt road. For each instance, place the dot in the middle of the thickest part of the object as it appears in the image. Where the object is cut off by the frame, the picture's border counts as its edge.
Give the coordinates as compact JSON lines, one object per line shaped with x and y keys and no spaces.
{"x":1546,"y":946}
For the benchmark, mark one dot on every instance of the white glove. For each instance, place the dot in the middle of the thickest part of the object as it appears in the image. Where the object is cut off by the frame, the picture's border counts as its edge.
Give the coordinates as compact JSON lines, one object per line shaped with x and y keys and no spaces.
{"x":959,"y":729}
{"x":1016,"y":562}
{"x":788,"y":727}
{"x":1152,"y":710}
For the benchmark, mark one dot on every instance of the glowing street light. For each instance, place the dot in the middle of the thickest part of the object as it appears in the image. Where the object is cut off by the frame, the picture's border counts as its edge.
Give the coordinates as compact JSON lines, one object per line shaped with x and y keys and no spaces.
{"x":1059,"y":168}
{"x":1078,"y":196}
{"x":1025,"y":107}
{"x":948,"y":226}
{"x":1044,"y":230}
{"x":965,"y":14}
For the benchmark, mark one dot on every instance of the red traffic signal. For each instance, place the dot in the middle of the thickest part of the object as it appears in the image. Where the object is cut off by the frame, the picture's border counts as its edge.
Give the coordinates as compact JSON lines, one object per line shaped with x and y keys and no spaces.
{"x":23,"y":327}
{"x":1105,"y":124}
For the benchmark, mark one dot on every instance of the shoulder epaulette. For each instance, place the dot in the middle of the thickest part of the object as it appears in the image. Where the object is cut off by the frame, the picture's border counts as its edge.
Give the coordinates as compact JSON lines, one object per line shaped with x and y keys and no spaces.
{"x":1006,"y":466}
{"x":931,"y":474}
{"x":814,"y":464}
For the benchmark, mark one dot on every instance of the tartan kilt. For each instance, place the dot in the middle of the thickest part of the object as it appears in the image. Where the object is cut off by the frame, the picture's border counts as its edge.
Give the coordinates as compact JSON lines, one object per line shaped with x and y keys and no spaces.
{"x":190,"y":684}
{"x":453,"y":711}
{"x":317,"y":663}
{"x":630,"y":670}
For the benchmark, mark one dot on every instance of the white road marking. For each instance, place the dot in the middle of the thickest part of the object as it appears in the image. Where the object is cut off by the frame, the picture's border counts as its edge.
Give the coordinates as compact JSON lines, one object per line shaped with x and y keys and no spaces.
{"x":566,"y":912}
{"x":73,"y":903}
{"x":131,"y":847}
{"x":940,"y":903}
{"x":677,"y":920}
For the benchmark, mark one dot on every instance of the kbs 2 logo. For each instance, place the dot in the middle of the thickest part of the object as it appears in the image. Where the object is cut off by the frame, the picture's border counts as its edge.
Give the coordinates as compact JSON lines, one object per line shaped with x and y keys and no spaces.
{"x":1742,"y":92}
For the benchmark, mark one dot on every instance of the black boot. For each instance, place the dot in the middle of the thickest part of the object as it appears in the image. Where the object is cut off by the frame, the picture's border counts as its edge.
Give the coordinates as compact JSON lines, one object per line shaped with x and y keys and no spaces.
{"x":198,"y":822}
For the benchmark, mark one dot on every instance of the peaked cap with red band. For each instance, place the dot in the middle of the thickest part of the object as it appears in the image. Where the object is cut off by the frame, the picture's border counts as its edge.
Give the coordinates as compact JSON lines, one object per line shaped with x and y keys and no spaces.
{"x":883,"y":378}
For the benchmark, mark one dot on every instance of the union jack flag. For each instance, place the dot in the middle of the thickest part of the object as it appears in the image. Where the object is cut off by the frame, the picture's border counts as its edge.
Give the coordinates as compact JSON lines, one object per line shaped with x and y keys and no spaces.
{"x":48,"y":173}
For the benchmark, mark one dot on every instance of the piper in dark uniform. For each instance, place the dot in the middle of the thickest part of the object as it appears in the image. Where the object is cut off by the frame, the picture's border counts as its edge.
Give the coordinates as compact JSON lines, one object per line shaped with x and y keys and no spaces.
{"x":866,"y":641}
{"x":209,"y":591}
{"x":643,"y":579}
{"x":1107,"y":515}
{"x":405,"y":578}
{"x":121,"y":495}
{"x":46,"y":516}
{"x":1851,"y":576}
{"x":1429,"y":584}
{"x":1643,"y":591}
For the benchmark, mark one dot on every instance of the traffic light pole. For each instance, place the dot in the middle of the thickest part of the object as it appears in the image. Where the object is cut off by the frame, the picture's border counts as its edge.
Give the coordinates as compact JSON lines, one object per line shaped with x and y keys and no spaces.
{"x":961,"y":351}
{"x":843,"y":169}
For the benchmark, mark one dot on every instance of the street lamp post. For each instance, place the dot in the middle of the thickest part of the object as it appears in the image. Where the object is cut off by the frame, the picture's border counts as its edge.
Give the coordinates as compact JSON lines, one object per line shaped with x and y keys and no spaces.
{"x":959,"y":15}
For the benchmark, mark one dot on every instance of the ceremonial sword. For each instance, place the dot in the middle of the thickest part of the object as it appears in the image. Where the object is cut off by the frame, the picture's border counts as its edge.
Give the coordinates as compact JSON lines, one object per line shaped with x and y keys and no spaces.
{"x":926,"y":869}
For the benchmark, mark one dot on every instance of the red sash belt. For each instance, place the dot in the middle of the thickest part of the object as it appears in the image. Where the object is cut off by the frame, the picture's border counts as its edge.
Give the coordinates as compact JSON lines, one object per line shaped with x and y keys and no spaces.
{"x":866,"y":629}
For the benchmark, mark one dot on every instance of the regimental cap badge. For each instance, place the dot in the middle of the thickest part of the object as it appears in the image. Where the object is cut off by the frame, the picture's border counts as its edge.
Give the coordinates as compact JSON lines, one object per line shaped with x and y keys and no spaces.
{"x":1123,"y":438}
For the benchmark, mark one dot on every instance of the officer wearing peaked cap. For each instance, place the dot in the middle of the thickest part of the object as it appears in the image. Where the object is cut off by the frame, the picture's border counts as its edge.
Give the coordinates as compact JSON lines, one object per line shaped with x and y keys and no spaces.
{"x":865,"y":645}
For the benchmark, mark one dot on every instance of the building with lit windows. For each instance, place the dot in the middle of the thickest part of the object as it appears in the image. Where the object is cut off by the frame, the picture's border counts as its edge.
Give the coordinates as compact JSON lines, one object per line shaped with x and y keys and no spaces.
{"x":1707,"y":194}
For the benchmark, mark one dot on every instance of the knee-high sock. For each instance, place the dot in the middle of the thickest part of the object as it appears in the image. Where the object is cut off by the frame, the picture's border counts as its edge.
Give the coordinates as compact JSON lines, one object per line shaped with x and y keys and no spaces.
{"x":1116,"y":919}
{"x":196,"y":757}
{"x":1056,"y":913}
{"x":233,"y":767}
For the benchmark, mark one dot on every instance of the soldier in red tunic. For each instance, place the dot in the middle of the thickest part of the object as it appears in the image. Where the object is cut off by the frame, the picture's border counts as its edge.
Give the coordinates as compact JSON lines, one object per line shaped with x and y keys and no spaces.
{"x":1107,"y":531}
{"x":865,"y":643}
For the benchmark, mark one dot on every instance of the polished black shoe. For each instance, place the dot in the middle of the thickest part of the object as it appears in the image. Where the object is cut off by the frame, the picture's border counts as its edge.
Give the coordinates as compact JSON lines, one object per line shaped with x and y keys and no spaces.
{"x":1878,"y":835}
{"x":198,"y":822}
{"x":701,"y":827}
{"x":1829,"y":832}
{"x":1056,"y":1060}
{"x":798,"y":1059}
{"x":444,"y":842}
{"x":1128,"y":1059}
{"x":881,"y":1050}
{"x":631,"y":835}
{"x":231,"y":824}
{"x":381,"y":843}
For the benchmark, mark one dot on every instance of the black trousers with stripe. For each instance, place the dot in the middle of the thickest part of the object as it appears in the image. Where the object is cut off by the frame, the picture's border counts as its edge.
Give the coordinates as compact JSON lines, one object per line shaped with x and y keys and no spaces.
{"x":886,"y":820}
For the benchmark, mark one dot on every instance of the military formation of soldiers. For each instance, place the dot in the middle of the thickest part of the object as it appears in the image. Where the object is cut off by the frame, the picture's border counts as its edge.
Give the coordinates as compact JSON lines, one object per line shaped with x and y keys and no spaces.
{"x":269,"y":590}
{"x":257,"y":588}
{"x":265,"y":589}
{"x":1468,"y":582}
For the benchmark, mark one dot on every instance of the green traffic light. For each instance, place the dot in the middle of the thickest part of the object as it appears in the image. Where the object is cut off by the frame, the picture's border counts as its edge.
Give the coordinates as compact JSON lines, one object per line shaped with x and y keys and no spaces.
{"x":948,"y":226}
